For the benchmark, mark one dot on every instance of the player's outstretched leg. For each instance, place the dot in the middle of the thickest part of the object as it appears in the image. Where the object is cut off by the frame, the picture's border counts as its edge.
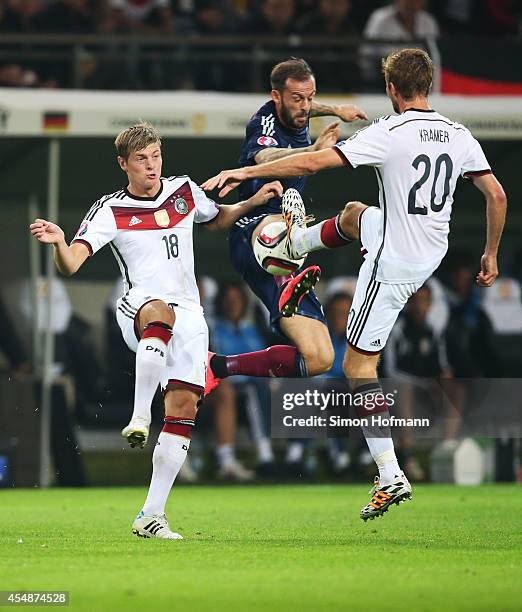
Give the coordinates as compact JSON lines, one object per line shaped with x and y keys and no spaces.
{"x":312,"y":352}
{"x":332,"y":233}
{"x":168,"y":457}
{"x":391,"y":486}
{"x":156,"y":321}
{"x":280,"y":361}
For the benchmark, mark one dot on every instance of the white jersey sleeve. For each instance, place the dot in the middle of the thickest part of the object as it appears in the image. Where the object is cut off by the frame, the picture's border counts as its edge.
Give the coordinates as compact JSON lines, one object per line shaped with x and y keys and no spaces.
{"x":475,"y":162}
{"x":97,"y":229}
{"x":370,"y":146}
{"x":206,"y":209}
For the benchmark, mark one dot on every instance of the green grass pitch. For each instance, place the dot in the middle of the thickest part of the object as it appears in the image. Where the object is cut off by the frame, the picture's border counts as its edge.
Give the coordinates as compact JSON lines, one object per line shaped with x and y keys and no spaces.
{"x":268,"y":548}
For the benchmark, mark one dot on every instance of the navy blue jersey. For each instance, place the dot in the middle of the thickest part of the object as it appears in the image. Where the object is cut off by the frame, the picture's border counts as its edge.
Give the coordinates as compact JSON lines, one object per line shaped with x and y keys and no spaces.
{"x":265,"y":130}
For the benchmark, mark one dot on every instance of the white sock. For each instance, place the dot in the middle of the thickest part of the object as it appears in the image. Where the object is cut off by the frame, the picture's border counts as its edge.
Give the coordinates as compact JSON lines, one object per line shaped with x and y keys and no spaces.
{"x":388,"y":466}
{"x":294,"y":452}
{"x":225,"y":454}
{"x":380,"y":442}
{"x":151,"y":359}
{"x":168,"y":457}
{"x":264,"y":450}
{"x":383,"y":454}
{"x":307,"y":239}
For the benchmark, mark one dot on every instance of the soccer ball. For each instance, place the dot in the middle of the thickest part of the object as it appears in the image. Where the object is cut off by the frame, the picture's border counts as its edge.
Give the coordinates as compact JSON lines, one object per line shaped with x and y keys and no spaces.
{"x":270,"y":250}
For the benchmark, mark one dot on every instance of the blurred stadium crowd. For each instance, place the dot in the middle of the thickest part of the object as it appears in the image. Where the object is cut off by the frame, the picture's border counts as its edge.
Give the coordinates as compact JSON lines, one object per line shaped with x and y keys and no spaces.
{"x":240,"y":24}
{"x":450,"y":329}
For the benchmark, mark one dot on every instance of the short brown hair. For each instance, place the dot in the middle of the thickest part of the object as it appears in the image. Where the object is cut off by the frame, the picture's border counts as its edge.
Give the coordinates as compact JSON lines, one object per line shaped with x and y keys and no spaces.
{"x":410,"y":70}
{"x":294,"y":68}
{"x":136,"y":138}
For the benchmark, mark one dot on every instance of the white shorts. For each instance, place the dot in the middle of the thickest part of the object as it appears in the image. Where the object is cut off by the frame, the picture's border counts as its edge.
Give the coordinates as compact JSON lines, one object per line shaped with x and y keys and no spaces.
{"x":187,"y":354}
{"x":376,"y":305}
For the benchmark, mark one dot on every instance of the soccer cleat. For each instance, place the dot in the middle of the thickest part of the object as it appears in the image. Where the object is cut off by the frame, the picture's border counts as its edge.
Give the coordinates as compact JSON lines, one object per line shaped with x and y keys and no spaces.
{"x":294,"y":214}
{"x":396,"y":492}
{"x":296,"y":288}
{"x":136,"y":432}
{"x":211,"y":381}
{"x":154,"y":526}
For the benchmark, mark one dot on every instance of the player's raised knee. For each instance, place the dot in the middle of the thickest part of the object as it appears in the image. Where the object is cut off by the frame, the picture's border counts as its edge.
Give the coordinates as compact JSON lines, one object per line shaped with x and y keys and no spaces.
{"x":319,"y":361}
{"x":354,"y":205}
{"x":349,"y":218}
{"x":157,"y":310}
{"x":359,"y":366}
{"x":352,"y":210}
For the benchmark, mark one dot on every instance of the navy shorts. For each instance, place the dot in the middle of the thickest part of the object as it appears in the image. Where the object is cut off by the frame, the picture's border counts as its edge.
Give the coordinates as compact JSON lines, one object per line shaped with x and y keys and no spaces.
{"x":263,"y":284}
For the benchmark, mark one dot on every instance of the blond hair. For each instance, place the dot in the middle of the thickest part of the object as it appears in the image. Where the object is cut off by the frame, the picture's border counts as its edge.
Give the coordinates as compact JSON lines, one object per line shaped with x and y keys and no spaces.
{"x":410,"y":70}
{"x":136,"y":138}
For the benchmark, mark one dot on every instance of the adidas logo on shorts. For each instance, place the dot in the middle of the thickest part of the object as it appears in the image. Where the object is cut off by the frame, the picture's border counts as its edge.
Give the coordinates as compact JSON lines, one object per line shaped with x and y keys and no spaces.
{"x":134,"y":221}
{"x":375,"y":343}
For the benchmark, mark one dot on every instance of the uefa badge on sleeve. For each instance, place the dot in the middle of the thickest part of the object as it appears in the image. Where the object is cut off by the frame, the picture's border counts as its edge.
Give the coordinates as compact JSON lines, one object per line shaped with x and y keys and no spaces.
{"x":267,"y":141}
{"x":181,"y":206}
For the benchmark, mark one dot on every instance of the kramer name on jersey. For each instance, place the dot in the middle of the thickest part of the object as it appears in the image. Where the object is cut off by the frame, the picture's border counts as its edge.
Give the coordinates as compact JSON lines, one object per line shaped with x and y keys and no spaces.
{"x":434,"y":135}
{"x":168,"y":214}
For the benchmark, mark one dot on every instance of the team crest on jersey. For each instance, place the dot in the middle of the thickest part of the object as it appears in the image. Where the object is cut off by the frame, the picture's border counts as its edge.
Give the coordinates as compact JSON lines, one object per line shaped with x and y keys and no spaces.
{"x":162,"y":218}
{"x":181,"y":206}
{"x":175,"y":209}
{"x":267,"y":141}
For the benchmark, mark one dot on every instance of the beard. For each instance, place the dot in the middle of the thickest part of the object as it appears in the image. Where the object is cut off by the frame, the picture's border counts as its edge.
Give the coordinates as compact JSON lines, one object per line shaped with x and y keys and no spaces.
{"x":289,"y":120}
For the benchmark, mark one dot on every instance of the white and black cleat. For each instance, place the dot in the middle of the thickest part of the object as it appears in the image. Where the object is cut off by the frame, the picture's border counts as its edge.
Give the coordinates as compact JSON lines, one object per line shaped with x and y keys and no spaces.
{"x":395,"y":492}
{"x":294,"y":214}
{"x":137,"y":432}
{"x":154,"y":526}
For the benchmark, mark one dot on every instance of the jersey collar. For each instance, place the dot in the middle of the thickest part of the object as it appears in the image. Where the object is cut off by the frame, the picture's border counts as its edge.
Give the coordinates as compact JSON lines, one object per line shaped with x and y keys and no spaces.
{"x":144,"y":198}
{"x":419,"y":110}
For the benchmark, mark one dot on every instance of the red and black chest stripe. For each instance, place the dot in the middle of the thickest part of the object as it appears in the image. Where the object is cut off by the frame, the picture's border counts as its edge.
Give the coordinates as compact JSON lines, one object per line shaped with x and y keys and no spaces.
{"x":169,"y":213}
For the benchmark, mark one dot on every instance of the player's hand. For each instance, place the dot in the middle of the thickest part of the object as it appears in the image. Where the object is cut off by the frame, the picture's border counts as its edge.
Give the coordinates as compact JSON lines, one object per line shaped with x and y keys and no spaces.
{"x":350,"y":112}
{"x":267,"y":192}
{"x":47,"y":232}
{"x":226,"y":180}
{"x":328,"y":136}
{"x":488,"y":271}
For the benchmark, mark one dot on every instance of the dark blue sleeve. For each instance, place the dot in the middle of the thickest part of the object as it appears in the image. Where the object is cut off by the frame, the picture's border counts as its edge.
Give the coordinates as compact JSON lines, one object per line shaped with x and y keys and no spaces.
{"x":260,"y":134}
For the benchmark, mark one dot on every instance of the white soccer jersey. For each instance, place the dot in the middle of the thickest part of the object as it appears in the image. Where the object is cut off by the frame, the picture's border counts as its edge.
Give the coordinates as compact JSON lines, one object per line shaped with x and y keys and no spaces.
{"x":418,"y":157}
{"x":151,"y":238}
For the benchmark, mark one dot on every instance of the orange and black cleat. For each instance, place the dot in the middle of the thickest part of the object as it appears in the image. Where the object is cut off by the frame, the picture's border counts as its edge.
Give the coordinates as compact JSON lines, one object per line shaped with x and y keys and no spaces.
{"x":396,"y":492}
{"x":296,"y":288}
